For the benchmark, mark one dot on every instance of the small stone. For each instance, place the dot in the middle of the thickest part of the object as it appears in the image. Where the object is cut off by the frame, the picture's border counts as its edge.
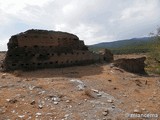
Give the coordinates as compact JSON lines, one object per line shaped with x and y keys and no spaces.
{"x":99,"y":95}
{"x":55,"y":102}
{"x":49,"y":114}
{"x":31,"y":87}
{"x":12,"y":101}
{"x":56,"y":99}
{"x":41,"y":92}
{"x":70,"y":106}
{"x":137,"y":111}
{"x":3,"y":75}
{"x":67,"y":101}
{"x":106,"y":110}
{"x":7,"y":100}
{"x":38,"y":114}
{"x":21,"y":116}
{"x":110,"y":101}
{"x":67,"y":115}
{"x":13,"y":111}
{"x":124,"y":95}
{"x":96,"y":91}
{"x":40,"y":106}
{"x":113,"y":106}
{"x":79,"y":103}
{"x":33,"y":102}
{"x":105,"y":113}
{"x":143,"y":109}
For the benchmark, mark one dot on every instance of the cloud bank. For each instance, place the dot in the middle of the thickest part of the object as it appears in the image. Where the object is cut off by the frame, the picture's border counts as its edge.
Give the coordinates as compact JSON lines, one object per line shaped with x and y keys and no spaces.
{"x":93,"y":21}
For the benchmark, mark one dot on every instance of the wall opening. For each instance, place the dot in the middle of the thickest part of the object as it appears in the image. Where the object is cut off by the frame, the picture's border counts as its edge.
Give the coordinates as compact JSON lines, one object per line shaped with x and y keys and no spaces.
{"x":26,"y":54}
{"x":46,"y":64}
{"x":59,"y":54}
{"x":35,"y":46}
{"x":39,"y":64}
{"x":14,"y":65}
{"x":75,"y":39}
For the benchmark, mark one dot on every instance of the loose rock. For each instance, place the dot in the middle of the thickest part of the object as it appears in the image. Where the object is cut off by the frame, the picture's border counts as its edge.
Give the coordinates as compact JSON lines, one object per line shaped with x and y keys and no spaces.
{"x":3,"y":75}
{"x":137,"y":111}
{"x":110,"y":101}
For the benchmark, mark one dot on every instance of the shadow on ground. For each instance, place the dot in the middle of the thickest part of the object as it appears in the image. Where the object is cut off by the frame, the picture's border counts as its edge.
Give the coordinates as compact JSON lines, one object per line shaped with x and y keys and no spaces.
{"x":70,"y":72}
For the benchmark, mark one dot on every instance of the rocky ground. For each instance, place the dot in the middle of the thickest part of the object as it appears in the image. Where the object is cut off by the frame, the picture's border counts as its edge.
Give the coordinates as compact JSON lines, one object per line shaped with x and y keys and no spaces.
{"x":93,"y":92}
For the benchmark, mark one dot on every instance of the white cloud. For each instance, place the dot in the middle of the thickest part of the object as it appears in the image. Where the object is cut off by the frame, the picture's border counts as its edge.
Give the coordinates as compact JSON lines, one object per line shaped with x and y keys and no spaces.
{"x":93,"y":21}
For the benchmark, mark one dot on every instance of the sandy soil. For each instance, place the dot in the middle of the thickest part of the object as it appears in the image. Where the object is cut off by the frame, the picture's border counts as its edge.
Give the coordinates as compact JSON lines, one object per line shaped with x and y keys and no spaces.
{"x":93,"y":92}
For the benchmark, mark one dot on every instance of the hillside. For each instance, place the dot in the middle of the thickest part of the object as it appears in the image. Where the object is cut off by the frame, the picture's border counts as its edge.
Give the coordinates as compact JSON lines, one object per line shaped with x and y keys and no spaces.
{"x":134,"y":45}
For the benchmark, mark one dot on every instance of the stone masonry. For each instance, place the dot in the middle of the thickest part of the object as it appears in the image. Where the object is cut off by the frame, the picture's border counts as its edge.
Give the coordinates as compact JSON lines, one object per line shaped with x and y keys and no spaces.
{"x":35,"y":49}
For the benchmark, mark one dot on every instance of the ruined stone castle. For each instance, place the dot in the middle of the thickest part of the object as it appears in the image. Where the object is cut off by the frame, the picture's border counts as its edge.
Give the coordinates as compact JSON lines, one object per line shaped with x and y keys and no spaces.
{"x":35,"y":49}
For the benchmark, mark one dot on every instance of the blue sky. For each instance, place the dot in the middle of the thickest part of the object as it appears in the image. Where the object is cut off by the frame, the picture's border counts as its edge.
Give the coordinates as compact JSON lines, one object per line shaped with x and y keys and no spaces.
{"x":93,"y":21}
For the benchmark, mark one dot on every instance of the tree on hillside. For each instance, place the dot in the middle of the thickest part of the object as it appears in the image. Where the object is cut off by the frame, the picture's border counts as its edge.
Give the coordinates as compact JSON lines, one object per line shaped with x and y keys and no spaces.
{"x":155,"y":52}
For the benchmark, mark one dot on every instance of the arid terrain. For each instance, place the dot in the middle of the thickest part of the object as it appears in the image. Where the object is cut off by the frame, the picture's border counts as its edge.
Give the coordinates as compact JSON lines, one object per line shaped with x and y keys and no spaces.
{"x":93,"y":92}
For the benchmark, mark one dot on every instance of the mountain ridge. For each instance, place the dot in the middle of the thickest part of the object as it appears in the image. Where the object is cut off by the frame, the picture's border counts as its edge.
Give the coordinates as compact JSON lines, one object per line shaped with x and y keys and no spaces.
{"x":121,"y":43}
{"x":133,"y":45}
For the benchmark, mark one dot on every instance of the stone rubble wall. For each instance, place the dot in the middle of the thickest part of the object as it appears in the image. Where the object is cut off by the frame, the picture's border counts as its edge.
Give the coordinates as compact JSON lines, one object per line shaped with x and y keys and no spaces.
{"x":36,"y":49}
{"x":134,"y":65}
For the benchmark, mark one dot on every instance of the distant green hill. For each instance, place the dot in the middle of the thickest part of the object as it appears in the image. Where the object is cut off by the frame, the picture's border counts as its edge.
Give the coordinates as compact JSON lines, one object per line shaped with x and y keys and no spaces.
{"x":134,"y":45}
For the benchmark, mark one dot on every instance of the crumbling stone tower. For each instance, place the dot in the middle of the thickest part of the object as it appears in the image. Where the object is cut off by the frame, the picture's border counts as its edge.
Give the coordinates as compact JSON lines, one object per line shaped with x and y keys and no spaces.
{"x":36,"y":49}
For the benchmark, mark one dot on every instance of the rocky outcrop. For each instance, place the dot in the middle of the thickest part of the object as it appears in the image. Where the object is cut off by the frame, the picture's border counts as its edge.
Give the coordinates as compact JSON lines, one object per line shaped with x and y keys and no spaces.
{"x":36,"y":49}
{"x":134,"y":65}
